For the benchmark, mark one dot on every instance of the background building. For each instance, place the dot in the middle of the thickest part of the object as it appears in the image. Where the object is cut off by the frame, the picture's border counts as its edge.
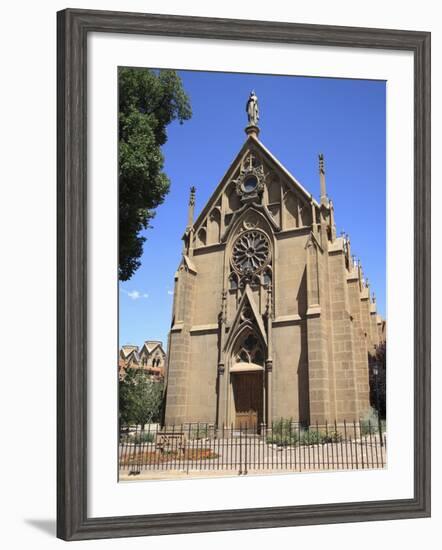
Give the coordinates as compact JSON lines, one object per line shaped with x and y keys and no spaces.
{"x":150,"y":358}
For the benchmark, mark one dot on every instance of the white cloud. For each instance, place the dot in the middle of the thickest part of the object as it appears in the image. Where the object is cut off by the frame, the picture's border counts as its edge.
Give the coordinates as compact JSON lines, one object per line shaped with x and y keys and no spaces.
{"x":135,"y":294}
{"x":170,"y":292}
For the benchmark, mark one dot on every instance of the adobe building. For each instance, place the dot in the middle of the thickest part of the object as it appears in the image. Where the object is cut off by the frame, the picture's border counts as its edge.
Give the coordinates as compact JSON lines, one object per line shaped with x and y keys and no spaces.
{"x":272,"y":317}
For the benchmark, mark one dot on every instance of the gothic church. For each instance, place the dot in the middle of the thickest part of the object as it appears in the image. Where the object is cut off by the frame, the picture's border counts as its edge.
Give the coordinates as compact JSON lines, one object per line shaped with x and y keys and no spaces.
{"x":272,"y":317}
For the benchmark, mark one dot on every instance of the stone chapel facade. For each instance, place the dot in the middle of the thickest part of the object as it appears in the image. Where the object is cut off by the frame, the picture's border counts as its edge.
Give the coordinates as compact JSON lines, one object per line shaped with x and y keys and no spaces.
{"x":272,"y":317}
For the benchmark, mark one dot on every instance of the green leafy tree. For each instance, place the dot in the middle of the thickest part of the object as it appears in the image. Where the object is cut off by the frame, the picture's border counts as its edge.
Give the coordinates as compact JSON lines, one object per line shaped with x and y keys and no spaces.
{"x":148,"y":102}
{"x":378,"y":386}
{"x":140,"y":398}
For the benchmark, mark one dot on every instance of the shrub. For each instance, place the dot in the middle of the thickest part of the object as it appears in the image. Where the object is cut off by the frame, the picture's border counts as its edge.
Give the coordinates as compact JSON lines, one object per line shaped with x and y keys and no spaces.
{"x":139,"y":437}
{"x":318,"y":437}
{"x":369,"y":423}
{"x":282,"y":440}
{"x":144,"y":437}
{"x":284,"y":433}
{"x":199,"y":432}
{"x":331,"y":437}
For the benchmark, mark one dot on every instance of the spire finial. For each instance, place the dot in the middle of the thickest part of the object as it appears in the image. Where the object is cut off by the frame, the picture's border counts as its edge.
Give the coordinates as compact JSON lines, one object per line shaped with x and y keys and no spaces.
{"x":191,"y":206}
{"x":192,"y":196}
{"x":321,"y":163}
{"x":252,"y":111}
{"x":322,"y":179}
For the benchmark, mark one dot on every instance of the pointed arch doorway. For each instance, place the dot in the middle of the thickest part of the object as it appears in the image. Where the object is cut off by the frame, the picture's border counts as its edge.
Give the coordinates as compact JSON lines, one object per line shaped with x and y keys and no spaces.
{"x":247,"y":379}
{"x":248,"y":399}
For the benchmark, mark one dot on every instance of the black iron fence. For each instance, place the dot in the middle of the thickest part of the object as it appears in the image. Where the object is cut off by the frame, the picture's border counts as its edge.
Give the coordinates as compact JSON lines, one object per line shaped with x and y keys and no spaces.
{"x":284,"y":446}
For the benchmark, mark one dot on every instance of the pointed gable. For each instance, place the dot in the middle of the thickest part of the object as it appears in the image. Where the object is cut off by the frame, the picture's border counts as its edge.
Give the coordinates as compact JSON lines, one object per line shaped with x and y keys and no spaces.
{"x":295,"y":186}
{"x":150,"y":346}
{"x":251,"y":147}
{"x":247,"y":300}
{"x":127,"y":349}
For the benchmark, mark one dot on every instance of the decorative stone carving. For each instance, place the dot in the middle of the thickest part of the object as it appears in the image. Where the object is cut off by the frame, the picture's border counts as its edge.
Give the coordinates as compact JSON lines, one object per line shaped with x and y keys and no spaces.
{"x":249,"y":224}
{"x":251,"y":252}
{"x":249,"y":349}
{"x":250,"y":182}
{"x":247,"y":314}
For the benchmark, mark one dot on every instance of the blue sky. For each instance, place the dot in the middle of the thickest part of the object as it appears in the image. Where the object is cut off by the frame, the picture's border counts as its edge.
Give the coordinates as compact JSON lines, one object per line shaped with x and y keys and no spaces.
{"x":299,"y":118}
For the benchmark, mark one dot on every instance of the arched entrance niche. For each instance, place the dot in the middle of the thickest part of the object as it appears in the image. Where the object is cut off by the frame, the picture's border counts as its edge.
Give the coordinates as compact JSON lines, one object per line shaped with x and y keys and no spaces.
{"x":247,"y":363}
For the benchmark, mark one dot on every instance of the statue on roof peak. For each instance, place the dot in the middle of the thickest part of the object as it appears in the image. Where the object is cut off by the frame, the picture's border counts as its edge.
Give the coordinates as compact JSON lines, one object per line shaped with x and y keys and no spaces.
{"x":252,"y":109}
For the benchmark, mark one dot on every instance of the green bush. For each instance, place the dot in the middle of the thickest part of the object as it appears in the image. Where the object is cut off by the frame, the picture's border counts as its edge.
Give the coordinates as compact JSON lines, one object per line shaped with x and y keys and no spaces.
{"x":310,"y":437}
{"x":199,"y":432}
{"x":144,"y":437}
{"x":139,"y":437}
{"x":282,"y":440}
{"x":369,"y":423}
{"x":319,"y":437}
{"x":331,"y":437}
{"x":284,"y":434}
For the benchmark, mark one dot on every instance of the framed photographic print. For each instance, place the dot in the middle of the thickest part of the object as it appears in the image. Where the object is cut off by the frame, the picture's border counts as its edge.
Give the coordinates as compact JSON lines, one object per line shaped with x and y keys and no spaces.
{"x":243,"y":225}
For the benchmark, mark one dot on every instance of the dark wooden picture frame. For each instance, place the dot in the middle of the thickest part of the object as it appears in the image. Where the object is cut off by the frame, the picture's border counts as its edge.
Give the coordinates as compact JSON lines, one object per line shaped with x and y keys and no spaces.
{"x":73,"y":28}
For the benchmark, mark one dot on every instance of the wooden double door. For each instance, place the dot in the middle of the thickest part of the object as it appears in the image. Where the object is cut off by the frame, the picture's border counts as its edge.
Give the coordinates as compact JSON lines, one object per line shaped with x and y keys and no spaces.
{"x":247,"y":394}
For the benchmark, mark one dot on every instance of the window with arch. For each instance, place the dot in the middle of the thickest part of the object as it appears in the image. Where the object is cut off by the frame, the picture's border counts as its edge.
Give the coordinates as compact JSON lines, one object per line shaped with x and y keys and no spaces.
{"x":233,"y":281}
{"x":267,"y":277}
{"x":249,"y":349}
{"x":202,"y":237}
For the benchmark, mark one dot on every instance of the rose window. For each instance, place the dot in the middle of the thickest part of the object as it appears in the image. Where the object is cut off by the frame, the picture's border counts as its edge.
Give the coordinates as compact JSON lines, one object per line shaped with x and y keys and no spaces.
{"x":251,"y":252}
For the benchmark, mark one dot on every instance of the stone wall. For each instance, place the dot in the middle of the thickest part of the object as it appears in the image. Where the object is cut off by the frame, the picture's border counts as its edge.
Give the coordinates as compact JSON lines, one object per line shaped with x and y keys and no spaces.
{"x":201,"y":380}
{"x":289,"y":274}
{"x":177,"y":391}
{"x":290,"y":373}
{"x":347,"y":406}
{"x":209,"y":264}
